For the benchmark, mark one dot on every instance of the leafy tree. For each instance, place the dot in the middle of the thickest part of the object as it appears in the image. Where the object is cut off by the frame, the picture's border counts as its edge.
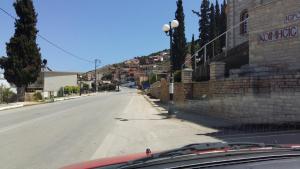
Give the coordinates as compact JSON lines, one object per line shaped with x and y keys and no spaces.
{"x":179,"y":40}
{"x":22,"y":65}
{"x":107,"y":76}
{"x":193,"y":51}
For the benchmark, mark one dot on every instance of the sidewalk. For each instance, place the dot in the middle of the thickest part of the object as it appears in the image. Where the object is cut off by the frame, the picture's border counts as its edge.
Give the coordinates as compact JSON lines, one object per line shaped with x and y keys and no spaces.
{"x":226,"y":128}
{"x":190,"y":116}
{"x":142,"y":126}
{"x":22,"y":104}
{"x":11,"y":106}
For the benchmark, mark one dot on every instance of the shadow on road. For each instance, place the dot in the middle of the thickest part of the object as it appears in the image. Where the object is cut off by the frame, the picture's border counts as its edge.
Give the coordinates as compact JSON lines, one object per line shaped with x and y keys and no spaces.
{"x":228,"y":131}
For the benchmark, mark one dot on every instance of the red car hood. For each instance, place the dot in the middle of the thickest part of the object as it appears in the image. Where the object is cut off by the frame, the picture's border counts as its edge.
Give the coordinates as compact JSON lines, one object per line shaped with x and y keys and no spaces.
{"x":123,"y":159}
{"x":106,"y":161}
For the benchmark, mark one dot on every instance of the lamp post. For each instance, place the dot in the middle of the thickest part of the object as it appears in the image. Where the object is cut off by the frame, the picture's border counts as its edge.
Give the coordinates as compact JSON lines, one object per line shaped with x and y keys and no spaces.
{"x":169,"y":29}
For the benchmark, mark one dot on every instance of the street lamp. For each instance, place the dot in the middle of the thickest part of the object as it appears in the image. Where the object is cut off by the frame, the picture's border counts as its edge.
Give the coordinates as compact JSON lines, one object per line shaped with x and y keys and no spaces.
{"x":168,"y":29}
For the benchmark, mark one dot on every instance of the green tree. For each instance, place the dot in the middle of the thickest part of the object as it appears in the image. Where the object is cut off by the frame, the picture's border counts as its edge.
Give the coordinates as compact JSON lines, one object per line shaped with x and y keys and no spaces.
{"x":218,"y":47}
{"x":107,"y":76}
{"x":177,"y":76}
{"x":223,"y":23}
{"x":203,"y":22}
{"x":218,"y":17}
{"x":214,"y":47}
{"x":179,"y":39}
{"x":193,"y":50}
{"x":22,"y":65}
{"x":152,"y":78}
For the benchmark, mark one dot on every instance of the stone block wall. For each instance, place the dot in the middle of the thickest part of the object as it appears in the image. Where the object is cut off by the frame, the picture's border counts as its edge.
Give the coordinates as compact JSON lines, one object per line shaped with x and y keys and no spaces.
{"x":274,"y":34}
{"x":253,"y":95}
{"x":252,"y":99}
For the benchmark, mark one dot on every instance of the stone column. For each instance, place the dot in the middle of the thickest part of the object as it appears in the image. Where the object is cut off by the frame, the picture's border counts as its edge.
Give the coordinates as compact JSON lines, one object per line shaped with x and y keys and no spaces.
{"x":187,"y":75}
{"x":217,"y":70}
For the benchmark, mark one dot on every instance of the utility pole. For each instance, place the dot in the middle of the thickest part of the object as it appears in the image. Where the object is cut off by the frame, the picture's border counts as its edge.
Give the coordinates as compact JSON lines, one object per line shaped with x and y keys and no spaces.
{"x":95,"y":86}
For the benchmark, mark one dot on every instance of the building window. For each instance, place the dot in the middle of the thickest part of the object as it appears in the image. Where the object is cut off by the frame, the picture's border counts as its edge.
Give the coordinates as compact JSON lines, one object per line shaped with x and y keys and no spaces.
{"x":244,"y":25}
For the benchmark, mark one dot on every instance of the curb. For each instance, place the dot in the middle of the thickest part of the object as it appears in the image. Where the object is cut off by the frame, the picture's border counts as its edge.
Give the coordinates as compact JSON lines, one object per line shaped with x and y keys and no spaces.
{"x":152,"y":103}
{"x":39,"y":103}
{"x":12,"y":107}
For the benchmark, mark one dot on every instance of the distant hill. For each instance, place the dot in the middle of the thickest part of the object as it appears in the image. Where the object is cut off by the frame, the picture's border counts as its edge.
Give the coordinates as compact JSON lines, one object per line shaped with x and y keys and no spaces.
{"x":168,"y":50}
{"x":106,"y":68}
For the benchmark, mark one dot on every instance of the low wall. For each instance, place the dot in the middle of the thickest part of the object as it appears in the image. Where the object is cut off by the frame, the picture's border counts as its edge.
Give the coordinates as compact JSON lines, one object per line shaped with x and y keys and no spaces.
{"x":266,"y":99}
{"x":252,"y":99}
{"x":276,"y":108}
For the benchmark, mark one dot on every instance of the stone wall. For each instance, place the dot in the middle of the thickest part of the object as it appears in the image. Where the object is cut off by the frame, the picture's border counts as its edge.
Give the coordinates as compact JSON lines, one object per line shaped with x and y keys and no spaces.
{"x":251,"y":99}
{"x":234,"y":9}
{"x":274,"y":34}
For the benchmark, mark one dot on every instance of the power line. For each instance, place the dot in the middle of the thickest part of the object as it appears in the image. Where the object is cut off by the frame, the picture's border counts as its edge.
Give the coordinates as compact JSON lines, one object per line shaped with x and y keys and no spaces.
{"x":51,"y":43}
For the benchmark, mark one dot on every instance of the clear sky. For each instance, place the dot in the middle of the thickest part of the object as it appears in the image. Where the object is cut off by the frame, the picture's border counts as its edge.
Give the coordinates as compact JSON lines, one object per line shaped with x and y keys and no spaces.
{"x":110,"y":30}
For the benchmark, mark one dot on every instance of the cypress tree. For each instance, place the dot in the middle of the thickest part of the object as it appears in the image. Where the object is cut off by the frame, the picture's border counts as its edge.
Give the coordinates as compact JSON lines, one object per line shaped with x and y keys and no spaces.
{"x":218,"y":17}
{"x":218,"y":48}
{"x":193,"y":51}
{"x":212,"y":31}
{"x":204,"y":23}
{"x":223,"y":22}
{"x":22,"y":65}
{"x":179,"y":40}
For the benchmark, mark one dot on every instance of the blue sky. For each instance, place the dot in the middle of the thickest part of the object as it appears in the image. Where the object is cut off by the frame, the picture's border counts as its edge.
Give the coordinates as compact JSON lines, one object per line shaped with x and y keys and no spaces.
{"x":110,"y":30}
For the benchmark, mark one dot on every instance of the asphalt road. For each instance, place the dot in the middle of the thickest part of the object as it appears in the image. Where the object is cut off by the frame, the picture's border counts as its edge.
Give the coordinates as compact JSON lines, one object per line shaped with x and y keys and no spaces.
{"x":57,"y":134}
{"x":53,"y":135}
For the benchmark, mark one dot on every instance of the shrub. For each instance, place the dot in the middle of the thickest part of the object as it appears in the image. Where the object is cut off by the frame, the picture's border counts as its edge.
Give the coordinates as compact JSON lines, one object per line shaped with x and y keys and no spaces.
{"x":67,"y":89}
{"x":152,"y":78}
{"x":37,"y":96}
{"x":107,"y":87}
{"x":111,"y":87}
{"x":177,"y":76}
{"x":85,"y":87}
{"x":71,"y":89}
{"x":7,"y":95}
{"x":75,"y":89}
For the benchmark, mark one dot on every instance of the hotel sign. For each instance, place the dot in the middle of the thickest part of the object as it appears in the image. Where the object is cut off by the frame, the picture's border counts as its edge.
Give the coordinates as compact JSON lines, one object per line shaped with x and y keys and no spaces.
{"x":279,"y":34}
{"x":292,"y":17}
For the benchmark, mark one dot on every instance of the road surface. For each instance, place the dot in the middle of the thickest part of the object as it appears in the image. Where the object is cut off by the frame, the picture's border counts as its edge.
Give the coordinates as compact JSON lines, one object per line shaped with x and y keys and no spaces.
{"x":53,"y":135}
{"x":56,"y":134}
